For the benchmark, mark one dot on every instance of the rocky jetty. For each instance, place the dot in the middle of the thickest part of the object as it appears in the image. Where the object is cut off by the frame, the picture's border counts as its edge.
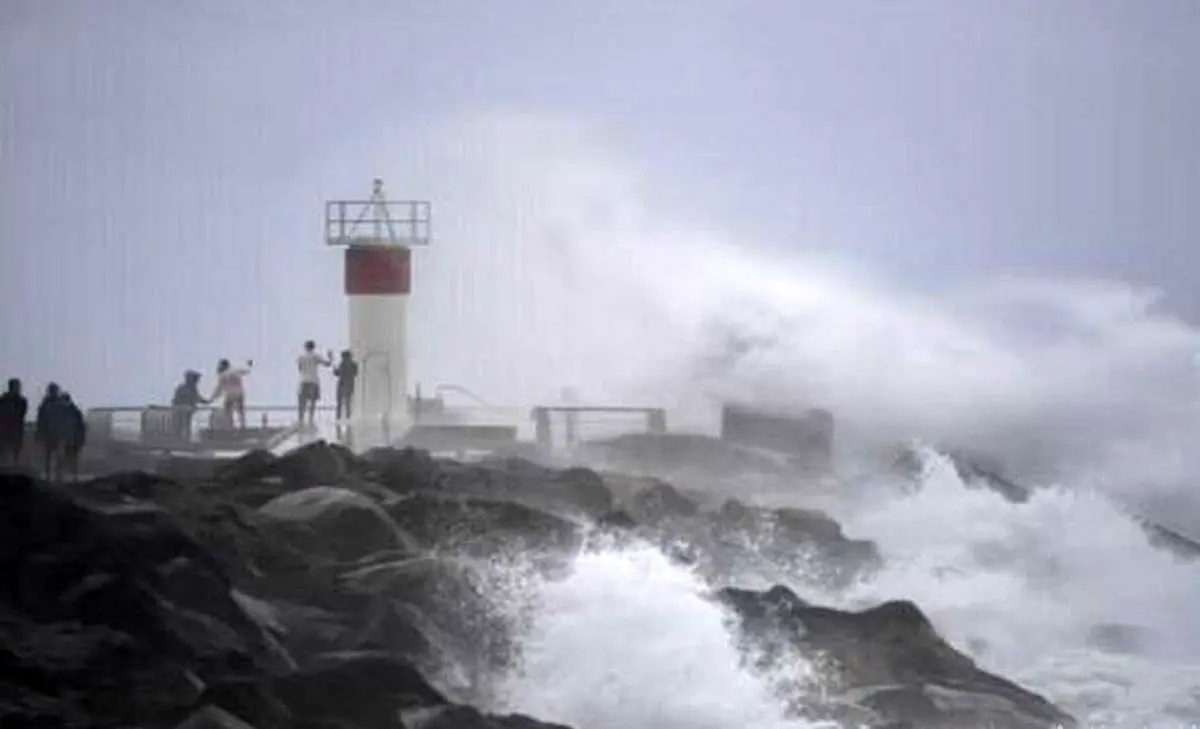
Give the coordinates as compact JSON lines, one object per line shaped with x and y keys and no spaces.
{"x":324,"y":589}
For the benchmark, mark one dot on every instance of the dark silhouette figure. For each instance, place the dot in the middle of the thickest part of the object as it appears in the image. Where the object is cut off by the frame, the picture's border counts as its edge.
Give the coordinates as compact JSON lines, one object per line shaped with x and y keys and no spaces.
{"x":309,"y":364}
{"x":76,"y":430}
{"x":346,"y":373}
{"x":186,"y":400}
{"x":13,"y":409}
{"x":56,"y":429}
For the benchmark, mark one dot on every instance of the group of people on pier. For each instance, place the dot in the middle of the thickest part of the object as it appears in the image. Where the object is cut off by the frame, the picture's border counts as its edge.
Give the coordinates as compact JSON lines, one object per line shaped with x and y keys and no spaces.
{"x":231,"y":389}
{"x":59,"y":429}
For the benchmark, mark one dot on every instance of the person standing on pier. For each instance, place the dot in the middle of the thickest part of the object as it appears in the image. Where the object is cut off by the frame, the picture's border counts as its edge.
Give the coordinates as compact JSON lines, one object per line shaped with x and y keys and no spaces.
{"x":55,"y":430}
{"x":13,"y":409}
{"x":186,"y":400}
{"x":346,"y":373}
{"x":309,"y":364}
{"x":75,"y":429}
{"x":231,"y":384}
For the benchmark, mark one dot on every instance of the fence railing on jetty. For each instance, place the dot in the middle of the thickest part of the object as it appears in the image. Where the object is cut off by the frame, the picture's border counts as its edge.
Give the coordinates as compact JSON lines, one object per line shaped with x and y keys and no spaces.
{"x":166,"y":427}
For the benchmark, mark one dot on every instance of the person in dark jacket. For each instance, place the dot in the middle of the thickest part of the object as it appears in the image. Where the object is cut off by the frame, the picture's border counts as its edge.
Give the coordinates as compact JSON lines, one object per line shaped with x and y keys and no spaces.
{"x":76,"y":436}
{"x":13,"y":409}
{"x":346,"y":373}
{"x":185,"y":401}
{"x":56,"y":429}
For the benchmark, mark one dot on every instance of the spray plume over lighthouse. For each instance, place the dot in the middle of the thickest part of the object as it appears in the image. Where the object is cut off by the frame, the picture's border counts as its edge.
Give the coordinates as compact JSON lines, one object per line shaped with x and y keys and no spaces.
{"x":378,"y":236}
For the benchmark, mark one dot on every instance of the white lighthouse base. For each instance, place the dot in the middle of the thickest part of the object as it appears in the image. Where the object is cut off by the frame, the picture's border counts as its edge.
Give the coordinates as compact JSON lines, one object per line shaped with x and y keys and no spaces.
{"x":379,"y":341}
{"x":363,"y":434}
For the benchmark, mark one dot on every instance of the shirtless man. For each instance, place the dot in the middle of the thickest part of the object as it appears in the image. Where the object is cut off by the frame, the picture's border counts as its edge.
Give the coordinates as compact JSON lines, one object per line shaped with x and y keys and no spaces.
{"x":309,"y":364}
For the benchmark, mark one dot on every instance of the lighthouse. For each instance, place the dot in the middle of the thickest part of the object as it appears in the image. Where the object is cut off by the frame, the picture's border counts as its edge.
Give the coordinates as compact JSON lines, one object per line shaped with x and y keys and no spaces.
{"x":378,"y":236}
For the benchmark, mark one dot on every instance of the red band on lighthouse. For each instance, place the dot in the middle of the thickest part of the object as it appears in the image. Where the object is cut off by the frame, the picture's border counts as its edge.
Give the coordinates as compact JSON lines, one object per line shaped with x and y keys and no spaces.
{"x":378,"y":271}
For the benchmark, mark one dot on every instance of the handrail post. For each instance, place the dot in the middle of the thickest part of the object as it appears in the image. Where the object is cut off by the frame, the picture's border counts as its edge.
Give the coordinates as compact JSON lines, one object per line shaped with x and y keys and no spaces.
{"x":657,"y":421}
{"x":541,"y":420}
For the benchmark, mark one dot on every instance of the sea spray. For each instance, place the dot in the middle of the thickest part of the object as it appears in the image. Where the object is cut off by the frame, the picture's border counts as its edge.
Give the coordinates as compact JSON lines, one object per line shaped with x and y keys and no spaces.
{"x":630,"y":639}
{"x":1026,"y":588}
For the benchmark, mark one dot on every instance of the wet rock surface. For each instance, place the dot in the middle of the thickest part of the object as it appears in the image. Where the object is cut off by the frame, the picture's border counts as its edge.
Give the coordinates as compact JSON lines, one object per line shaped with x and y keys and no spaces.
{"x":887,"y":659}
{"x":324,"y":589}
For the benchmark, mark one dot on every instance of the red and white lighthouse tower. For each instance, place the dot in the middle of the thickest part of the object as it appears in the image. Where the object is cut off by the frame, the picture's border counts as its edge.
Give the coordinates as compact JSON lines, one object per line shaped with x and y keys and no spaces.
{"x":378,"y":236}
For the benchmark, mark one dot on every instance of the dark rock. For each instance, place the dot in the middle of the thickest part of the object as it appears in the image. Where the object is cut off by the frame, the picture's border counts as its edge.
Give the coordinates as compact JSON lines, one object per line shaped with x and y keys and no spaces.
{"x":891,"y":657}
{"x":620,"y":520}
{"x":482,"y":527}
{"x":369,"y":689}
{"x":978,"y":469}
{"x":114,"y":611}
{"x":336,"y":524}
{"x":91,"y":671}
{"x":789,"y":534}
{"x":252,"y":466}
{"x":449,"y":603}
{"x":212,"y":717}
{"x":466,"y":717}
{"x":133,"y":571}
{"x":405,"y":470}
{"x":350,"y":620}
{"x":248,"y":700}
{"x":314,"y":464}
{"x":128,"y":484}
{"x":585,"y":488}
{"x":660,"y":501}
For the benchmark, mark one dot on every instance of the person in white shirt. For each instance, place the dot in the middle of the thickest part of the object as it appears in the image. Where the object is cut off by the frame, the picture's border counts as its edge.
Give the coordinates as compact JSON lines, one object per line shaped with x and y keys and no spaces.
{"x":230,"y":384}
{"x":309,"y":365}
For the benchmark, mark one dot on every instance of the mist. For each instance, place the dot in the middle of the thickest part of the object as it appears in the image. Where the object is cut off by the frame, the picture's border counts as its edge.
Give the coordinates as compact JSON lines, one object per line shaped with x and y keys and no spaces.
{"x":558,"y":273}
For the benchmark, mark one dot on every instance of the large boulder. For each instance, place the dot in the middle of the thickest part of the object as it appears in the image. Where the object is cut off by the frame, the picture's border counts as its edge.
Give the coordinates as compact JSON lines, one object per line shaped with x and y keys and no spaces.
{"x":83,"y":674}
{"x":131,"y":569}
{"x":335,"y":524}
{"x":482,"y":527}
{"x":571,"y":491}
{"x":888,"y":661}
{"x":318,"y":463}
{"x":466,"y":717}
{"x":658,"y":501}
{"x":403,"y":470}
{"x":367,"y":689}
{"x":788,"y":534}
{"x":454,"y":605}
{"x":116,"y":610}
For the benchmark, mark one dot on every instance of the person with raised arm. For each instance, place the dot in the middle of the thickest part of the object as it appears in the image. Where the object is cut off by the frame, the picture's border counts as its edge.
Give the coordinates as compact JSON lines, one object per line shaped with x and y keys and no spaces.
{"x":231,"y":384}
{"x":309,"y":364}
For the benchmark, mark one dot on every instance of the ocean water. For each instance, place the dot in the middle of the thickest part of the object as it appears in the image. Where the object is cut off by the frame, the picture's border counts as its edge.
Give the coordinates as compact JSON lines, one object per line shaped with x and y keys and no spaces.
{"x":1063,"y":594}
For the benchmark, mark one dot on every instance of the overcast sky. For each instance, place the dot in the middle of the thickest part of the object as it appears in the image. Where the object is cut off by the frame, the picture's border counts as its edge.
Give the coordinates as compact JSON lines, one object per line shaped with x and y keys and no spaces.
{"x":163,"y":163}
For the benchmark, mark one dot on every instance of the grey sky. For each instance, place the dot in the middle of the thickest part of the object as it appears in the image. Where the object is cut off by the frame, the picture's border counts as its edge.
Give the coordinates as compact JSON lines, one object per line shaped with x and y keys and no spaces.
{"x":163,"y":164}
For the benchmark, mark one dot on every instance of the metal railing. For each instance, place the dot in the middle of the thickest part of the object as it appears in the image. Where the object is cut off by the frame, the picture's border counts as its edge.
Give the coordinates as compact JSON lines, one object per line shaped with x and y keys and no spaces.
{"x":569,"y":425}
{"x":551,"y":426}
{"x":167,"y":424}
